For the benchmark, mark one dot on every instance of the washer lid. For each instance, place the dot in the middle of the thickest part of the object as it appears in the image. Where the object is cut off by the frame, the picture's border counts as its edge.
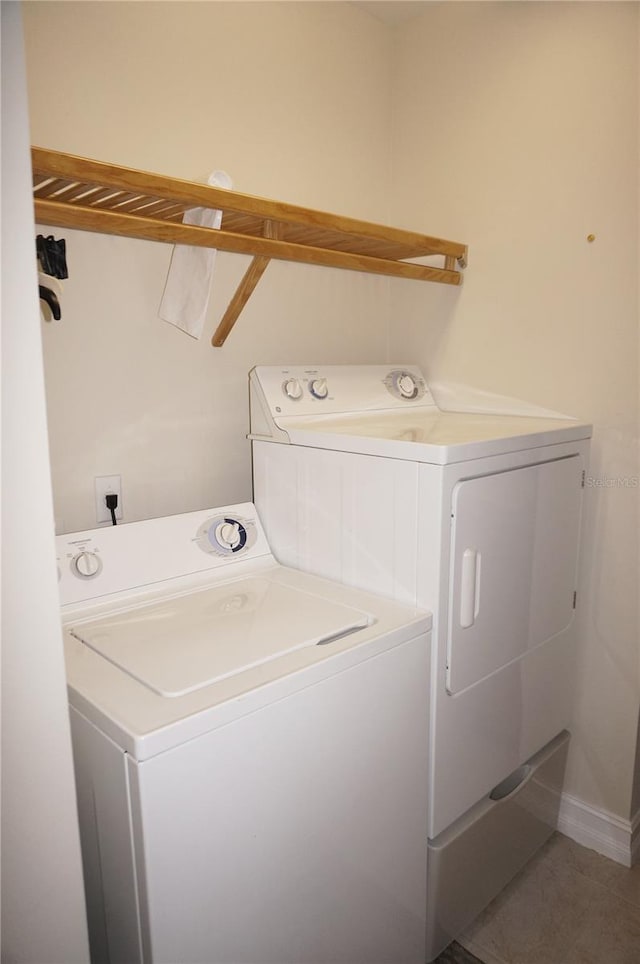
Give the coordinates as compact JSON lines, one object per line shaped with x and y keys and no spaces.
{"x":186,"y":643}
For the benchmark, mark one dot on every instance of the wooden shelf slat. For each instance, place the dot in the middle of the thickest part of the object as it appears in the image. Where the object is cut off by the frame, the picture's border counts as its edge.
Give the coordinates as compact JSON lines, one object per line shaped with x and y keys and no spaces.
{"x":133,"y":226}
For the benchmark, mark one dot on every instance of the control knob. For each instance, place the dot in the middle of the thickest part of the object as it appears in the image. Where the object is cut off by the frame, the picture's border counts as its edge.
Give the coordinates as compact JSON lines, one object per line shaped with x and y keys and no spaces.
{"x":318,"y":387}
{"x":228,"y":534}
{"x":292,"y":388}
{"x":405,"y":385}
{"x":86,"y":564}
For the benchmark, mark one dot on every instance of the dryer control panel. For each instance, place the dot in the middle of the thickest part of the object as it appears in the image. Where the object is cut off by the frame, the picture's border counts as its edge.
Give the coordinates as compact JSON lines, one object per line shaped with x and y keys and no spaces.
{"x":306,"y":390}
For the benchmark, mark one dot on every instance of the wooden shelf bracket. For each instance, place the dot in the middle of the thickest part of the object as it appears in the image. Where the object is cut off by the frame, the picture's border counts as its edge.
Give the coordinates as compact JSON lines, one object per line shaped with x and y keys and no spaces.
{"x":245,"y":289}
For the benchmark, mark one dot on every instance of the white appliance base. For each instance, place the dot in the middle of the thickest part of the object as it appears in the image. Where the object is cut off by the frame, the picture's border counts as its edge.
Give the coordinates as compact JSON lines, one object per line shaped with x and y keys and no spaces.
{"x":471,"y":861}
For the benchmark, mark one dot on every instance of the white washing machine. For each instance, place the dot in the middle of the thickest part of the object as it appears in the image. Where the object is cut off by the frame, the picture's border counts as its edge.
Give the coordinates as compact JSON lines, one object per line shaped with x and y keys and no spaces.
{"x":250,"y":750}
{"x":471,"y":512}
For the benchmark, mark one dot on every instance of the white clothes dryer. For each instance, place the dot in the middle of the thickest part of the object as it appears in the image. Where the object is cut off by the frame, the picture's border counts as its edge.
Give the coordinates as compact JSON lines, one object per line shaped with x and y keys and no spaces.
{"x":250,"y":750}
{"x":471,"y":512}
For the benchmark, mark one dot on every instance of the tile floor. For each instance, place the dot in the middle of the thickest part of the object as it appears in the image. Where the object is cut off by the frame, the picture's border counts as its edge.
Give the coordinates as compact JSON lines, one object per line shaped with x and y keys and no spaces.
{"x":456,"y":954}
{"x":569,"y":905}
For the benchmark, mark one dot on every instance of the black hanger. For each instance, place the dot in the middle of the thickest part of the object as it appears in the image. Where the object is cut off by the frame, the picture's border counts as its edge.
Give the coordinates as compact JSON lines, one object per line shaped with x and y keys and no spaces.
{"x":46,"y":294}
{"x":52,"y":256}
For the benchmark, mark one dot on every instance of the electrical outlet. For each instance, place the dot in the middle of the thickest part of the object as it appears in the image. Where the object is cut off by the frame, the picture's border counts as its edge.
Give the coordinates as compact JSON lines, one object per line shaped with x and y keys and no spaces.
{"x":107,"y":485}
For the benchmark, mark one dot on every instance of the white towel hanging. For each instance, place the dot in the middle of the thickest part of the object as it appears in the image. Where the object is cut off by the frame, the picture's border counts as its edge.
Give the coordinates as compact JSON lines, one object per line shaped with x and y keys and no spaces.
{"x":188,"y":286}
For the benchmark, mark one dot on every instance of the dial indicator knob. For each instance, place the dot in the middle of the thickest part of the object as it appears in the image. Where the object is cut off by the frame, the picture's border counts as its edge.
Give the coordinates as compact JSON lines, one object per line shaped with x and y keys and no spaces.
{"x":318,"y":387}
{"x":228,"y":534}
{"x":86,"y":564}
{"x":405,"y":385}
{"x":225,"y":536}
{"x":292,"y":389}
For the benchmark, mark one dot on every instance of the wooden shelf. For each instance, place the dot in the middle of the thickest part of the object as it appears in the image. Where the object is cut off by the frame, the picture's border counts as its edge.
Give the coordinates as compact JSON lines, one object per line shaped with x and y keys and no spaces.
{"x":76,"y":192}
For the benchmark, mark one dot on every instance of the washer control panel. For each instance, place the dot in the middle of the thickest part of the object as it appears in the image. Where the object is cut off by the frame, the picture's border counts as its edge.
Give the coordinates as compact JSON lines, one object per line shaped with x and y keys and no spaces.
{"x":135,"y":556}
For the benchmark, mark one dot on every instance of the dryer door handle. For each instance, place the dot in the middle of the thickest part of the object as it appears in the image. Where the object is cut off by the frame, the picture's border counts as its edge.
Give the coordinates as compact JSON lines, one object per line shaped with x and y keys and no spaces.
{"x":469,"y":587}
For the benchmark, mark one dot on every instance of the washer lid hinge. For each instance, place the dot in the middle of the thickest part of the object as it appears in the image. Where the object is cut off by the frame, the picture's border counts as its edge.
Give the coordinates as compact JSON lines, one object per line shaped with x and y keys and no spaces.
{"x":583,"y":477}
{"x":575,"y":596}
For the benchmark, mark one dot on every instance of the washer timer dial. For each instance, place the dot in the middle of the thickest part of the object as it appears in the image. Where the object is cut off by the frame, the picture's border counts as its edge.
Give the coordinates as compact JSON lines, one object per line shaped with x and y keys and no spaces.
{"x":224,"y":536}
{"x":230,"y":534}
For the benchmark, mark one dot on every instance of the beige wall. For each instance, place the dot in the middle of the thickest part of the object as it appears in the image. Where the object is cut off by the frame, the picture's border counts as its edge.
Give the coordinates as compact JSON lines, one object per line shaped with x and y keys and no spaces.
{"x":43,"y":903}
{"x":510,"y":126}
{"x":515,"y":130}
{"x":292,"y":100}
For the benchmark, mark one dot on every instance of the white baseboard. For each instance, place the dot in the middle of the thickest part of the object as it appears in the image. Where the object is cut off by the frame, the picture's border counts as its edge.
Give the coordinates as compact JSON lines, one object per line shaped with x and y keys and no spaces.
{"x":604,"y":832}
{"x":635,"y":838}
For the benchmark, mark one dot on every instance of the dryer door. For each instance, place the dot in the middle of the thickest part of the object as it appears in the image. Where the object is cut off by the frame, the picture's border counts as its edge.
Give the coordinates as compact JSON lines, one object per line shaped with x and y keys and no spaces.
{"x":514,"y":547}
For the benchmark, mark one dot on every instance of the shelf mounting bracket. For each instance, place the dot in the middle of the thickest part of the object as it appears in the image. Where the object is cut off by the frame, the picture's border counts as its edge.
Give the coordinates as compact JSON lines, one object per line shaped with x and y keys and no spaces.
{"x":245,"y":289}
